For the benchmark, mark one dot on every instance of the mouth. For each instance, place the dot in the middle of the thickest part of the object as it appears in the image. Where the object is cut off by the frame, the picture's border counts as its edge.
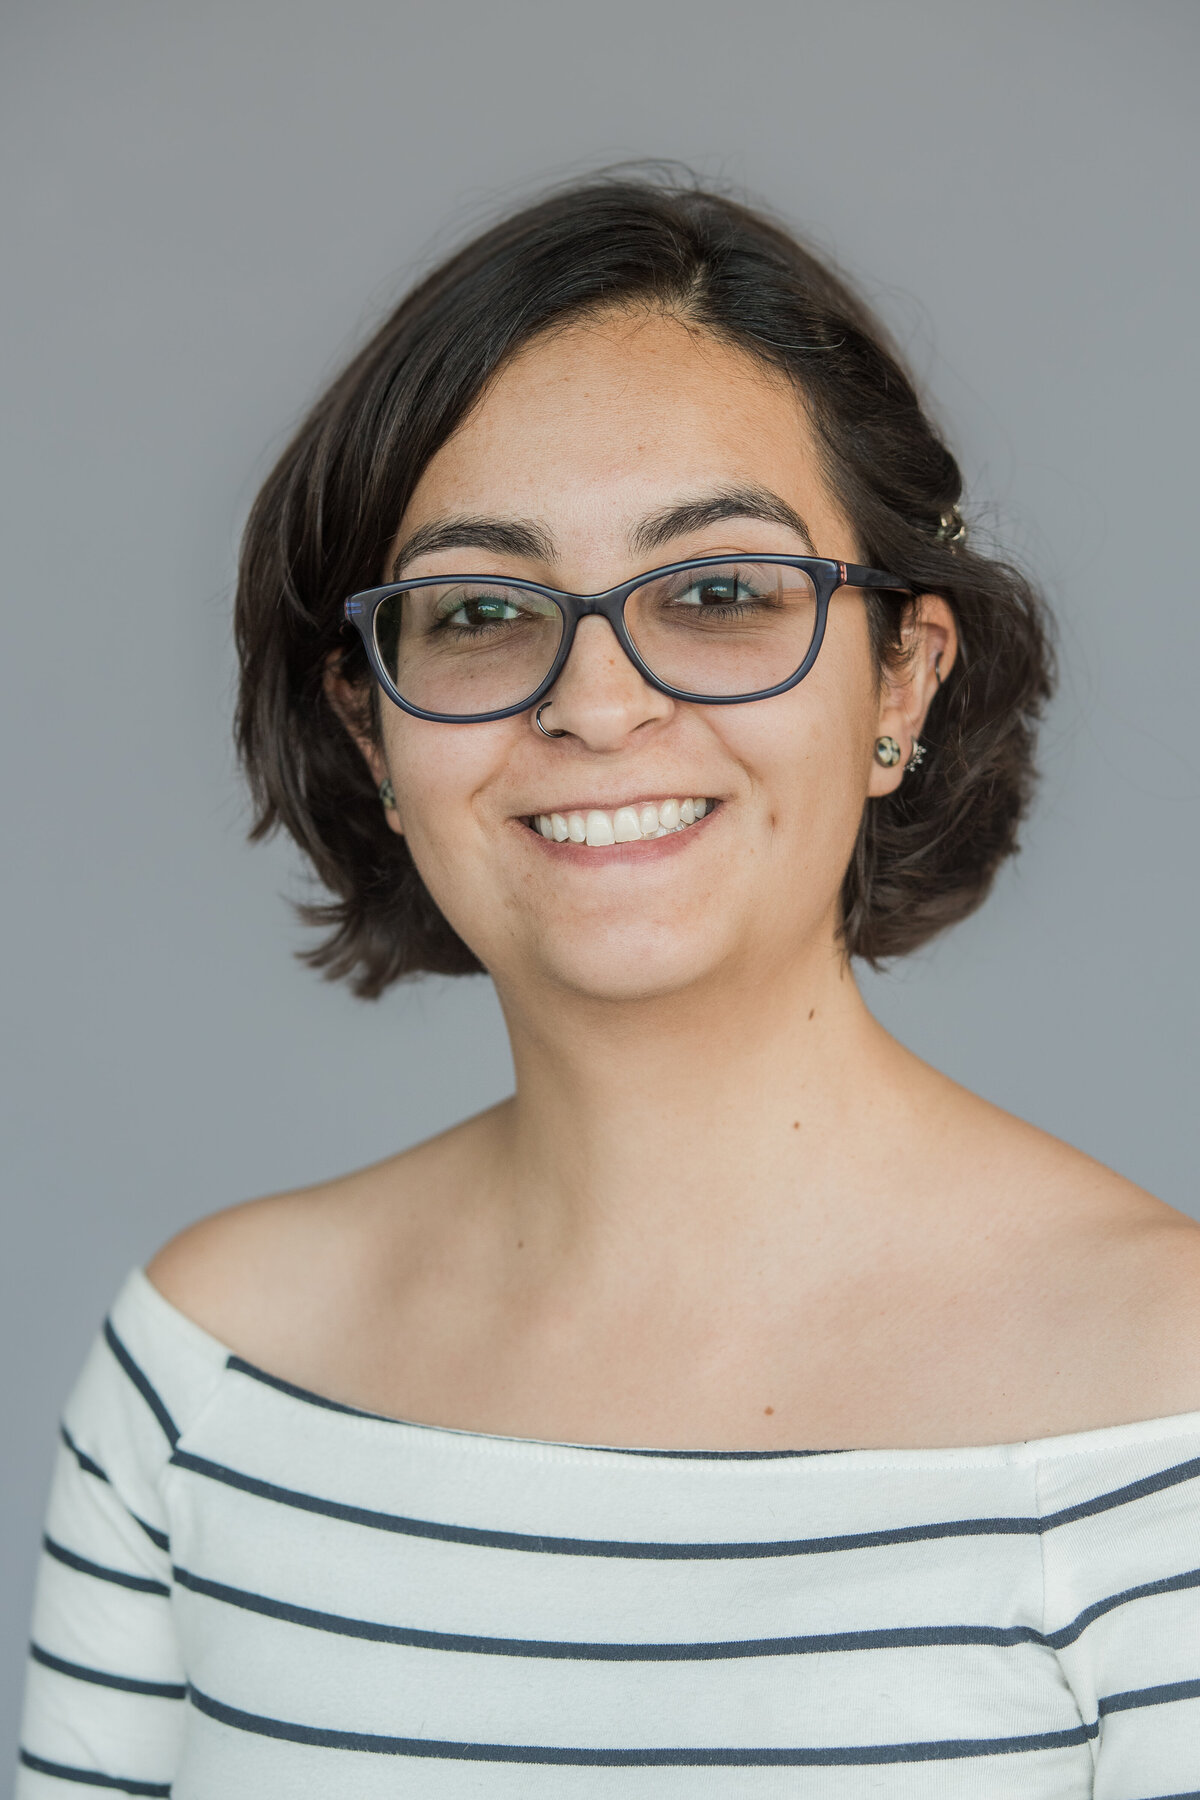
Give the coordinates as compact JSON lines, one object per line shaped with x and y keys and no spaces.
{"x":638,"y":822}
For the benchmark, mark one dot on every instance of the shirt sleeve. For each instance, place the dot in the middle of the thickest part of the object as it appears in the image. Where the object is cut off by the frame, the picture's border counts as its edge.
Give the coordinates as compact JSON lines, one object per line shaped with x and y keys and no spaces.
{"x":1122,"y":1566}
{"x":105,"y":1693}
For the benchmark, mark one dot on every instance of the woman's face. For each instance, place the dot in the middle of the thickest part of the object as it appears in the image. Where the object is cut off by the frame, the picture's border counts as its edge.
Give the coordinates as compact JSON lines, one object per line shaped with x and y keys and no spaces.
{"x":588,"y":439}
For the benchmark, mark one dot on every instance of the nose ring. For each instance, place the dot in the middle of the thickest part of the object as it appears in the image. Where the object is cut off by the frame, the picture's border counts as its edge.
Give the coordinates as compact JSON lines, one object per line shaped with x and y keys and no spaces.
{"x":537,"y":719}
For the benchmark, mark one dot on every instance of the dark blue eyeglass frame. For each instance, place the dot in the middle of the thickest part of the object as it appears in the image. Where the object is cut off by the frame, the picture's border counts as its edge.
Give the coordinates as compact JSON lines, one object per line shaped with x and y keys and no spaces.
{"x":826,"y":576}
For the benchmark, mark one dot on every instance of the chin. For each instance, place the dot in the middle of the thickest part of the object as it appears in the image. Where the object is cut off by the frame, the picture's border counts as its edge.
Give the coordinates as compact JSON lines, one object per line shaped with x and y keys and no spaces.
{"x":621,"y":964}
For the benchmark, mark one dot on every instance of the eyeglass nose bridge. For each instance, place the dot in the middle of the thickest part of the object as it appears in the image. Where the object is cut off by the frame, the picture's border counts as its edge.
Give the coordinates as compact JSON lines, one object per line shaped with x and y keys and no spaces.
{"x":609,"y":605}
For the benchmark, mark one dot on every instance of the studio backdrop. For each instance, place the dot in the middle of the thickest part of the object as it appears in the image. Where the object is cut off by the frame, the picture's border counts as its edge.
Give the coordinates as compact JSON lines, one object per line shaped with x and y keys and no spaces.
{"x":204,"y":208}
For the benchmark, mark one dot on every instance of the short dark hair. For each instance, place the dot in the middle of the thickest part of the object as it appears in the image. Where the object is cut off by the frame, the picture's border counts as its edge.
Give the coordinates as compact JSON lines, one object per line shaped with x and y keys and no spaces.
{"x":322,"y":524}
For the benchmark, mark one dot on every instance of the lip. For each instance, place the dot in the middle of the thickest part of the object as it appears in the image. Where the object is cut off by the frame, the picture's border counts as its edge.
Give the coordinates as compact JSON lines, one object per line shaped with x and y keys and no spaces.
{"x":606,"y":856}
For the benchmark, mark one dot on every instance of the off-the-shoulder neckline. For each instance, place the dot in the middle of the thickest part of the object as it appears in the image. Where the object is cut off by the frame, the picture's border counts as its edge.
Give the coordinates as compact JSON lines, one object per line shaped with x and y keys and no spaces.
{"x":1092,"y":1439}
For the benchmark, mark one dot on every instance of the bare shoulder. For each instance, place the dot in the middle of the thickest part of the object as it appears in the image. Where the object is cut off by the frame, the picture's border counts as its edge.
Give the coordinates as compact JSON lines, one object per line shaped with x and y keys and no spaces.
{"x":1147,"y":1257}
{"x":273,"y":1275}
{"x":1075,"y":1197}
{"x":1103,"y":1277}
{"x":1138,"y":1294}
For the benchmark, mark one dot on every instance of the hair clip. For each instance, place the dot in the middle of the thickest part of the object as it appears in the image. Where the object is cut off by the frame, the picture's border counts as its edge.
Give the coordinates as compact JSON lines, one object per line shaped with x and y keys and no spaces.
{"x":952,"y":530}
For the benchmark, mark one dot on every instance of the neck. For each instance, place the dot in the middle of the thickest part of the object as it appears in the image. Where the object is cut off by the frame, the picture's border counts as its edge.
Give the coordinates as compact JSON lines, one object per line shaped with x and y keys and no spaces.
{"x":700,"y":1123}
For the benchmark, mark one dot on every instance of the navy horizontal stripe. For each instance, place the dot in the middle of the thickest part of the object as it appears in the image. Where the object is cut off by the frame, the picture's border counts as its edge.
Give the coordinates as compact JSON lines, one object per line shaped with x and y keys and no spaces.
{"x":142,"y":1383}
{"x":158,"y":1538}
{"x":125,"y":1684}
{"x":141,"y":1584}
{"x":242,"y":1367}
{"x":881,"y":1638}
{"x":1158,"y":1483}
{"x":1016,"y":1525}
{"x":652,"y":1756}
{"x":1170,"y":1584}
{"x":91,"y":1467}
{"x":564,"y":1546}
{"x":885,"y":1638}
{"x":124,"y":1784}
{"x":85,"y":1462}
{"x":1150,"y":1696}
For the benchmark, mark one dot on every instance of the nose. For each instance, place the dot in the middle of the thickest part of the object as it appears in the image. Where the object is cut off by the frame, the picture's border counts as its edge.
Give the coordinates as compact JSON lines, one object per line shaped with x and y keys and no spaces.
{"x":601,"y":699}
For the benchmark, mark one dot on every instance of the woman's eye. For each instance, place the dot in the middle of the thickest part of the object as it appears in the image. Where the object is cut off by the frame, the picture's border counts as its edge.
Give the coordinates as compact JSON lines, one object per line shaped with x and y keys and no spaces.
{"x":727,"y":591}
{"x":482,"y":610}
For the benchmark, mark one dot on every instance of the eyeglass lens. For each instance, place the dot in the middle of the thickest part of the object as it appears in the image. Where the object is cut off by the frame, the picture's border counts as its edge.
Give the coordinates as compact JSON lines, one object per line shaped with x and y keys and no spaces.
{"x":728,"y":628}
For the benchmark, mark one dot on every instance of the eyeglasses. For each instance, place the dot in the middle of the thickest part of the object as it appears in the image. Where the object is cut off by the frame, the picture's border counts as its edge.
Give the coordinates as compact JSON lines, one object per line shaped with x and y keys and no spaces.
{"x":718,"y":631}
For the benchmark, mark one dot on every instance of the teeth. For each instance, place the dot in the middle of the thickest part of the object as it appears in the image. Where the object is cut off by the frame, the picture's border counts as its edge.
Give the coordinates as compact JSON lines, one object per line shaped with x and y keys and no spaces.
{"x":627,"y":825}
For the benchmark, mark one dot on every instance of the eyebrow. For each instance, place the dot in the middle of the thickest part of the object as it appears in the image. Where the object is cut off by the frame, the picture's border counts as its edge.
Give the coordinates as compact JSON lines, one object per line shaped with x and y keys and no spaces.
{"x":507,"y":537}
{"x":750,"y":502}
{"x":523,"y":537}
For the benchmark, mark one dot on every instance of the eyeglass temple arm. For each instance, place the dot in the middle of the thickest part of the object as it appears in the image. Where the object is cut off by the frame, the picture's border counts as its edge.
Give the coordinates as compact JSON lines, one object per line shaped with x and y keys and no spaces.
{"x":856,"y":575}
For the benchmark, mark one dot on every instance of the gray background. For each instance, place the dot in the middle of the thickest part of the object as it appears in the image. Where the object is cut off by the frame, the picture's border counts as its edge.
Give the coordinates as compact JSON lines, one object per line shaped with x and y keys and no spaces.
{"x":203,"y":209}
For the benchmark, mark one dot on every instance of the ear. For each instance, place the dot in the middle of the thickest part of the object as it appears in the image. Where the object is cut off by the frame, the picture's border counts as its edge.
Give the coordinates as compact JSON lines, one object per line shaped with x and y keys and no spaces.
{"x":350,"y":700}
{"x":911,"y":681}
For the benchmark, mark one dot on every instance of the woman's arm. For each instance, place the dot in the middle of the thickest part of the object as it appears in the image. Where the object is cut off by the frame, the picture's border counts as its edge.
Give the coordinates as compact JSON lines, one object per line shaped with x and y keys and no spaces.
{"x":1122,"y":1570}
{"x":105,"y":1689}
{"x":105,"y":1699}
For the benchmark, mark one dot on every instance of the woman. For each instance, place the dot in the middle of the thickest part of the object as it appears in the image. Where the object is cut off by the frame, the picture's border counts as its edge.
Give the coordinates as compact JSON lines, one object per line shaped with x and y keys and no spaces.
{"x":742,"y":1406}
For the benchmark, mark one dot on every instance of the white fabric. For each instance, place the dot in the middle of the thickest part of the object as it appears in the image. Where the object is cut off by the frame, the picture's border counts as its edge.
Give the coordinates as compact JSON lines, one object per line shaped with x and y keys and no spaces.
{"x":251,"y":1593}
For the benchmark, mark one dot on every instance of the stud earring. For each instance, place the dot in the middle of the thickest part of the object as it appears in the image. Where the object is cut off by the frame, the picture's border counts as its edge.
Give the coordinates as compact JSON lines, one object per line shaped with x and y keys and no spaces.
{"x":887,"y":752}
{"x":387,"y":794}
{"x":916,"y":756}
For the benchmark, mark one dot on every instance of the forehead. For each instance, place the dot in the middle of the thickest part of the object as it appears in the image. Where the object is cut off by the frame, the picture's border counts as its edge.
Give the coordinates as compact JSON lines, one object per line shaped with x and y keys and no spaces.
{"x":612,"y":414}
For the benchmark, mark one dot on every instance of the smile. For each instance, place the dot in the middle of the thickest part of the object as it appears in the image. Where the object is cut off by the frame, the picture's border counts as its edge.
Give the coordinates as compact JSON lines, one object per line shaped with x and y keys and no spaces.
{"x":637,"y":823}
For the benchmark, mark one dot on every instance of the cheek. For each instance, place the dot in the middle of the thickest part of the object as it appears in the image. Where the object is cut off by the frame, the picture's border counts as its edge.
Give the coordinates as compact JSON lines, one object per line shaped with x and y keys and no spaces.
{"x":809,"y":754}
{"x":444,"y":776}
{"x":435,"y":774}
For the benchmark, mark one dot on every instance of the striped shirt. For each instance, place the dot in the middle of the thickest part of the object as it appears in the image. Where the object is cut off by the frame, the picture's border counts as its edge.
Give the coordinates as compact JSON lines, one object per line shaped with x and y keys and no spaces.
{"x":251,"y":1592}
